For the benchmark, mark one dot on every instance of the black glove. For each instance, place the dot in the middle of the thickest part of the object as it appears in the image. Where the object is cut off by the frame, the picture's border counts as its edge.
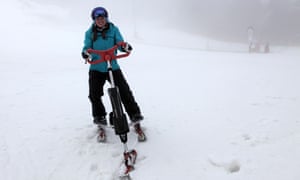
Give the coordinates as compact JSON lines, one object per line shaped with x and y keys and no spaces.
{"x":86,"y":55}
{"x":127,"y":47}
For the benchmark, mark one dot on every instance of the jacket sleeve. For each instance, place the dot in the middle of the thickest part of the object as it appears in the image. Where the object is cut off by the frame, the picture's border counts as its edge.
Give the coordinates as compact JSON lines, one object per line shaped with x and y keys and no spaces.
{"x":118,"y":35}
{"x":88,"y":42}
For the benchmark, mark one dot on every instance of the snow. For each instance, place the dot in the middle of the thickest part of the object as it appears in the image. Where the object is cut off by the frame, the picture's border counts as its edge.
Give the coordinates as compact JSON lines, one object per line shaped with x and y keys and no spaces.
{"x":213,"y":112}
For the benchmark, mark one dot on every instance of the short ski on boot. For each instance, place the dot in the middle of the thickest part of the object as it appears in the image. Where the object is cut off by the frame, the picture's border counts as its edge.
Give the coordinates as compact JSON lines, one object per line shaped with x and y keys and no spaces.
{"x":140,"y":133}
{"x":128,"y":165}
{"x":101,"y":134}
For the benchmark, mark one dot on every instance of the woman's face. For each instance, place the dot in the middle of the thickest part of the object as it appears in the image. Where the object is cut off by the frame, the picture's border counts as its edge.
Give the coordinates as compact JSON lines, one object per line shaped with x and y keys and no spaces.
{"x":100,"y":21}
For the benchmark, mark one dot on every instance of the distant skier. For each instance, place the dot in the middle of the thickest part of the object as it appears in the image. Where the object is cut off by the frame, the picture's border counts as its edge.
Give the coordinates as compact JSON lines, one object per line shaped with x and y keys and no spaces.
{"x":103,"y":35}
{"x":251,"y":40}
{"x":267,"y":48}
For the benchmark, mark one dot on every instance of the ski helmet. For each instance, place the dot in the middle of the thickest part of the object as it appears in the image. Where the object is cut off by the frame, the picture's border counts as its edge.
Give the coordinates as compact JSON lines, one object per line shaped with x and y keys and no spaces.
{"x":99,"y":11}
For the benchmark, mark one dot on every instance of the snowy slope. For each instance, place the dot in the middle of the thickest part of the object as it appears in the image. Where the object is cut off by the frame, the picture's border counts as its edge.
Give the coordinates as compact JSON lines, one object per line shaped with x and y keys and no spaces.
{"x":208,"y":115}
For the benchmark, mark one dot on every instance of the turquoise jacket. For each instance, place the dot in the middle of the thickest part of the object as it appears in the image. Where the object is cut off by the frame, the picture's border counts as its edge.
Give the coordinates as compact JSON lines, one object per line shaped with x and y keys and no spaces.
{"x":112,"y":37}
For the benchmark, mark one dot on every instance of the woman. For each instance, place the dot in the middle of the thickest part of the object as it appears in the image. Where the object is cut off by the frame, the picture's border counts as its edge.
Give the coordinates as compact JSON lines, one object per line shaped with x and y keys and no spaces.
{"x":103,"y":35}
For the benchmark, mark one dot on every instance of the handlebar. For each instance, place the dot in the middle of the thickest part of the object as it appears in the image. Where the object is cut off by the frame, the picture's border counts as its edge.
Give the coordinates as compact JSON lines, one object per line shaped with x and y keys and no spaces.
{"x":107,"y":55}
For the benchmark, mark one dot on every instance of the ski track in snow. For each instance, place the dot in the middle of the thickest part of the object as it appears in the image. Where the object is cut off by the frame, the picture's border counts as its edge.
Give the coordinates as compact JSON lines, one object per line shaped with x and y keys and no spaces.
{"x":15,"y":154}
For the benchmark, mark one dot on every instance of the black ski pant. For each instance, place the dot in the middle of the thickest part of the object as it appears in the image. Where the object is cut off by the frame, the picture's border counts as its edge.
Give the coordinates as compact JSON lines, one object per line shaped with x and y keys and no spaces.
{"x":96,"y":83}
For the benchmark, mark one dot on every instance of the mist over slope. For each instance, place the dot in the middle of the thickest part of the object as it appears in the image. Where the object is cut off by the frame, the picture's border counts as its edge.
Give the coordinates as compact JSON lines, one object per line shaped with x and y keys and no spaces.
{"x":225,"y":21}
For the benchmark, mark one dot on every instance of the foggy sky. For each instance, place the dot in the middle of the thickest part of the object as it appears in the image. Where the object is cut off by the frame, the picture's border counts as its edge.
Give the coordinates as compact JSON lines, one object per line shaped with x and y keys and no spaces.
{"x":275,"y":21}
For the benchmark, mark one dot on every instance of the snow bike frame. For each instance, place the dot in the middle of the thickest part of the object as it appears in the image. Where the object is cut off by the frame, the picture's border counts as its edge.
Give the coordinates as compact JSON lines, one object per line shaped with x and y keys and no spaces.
{"x":119,"y":118}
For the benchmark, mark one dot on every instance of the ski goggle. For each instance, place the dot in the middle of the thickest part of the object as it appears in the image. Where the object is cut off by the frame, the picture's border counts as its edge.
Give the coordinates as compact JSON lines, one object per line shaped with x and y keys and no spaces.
{"x":99,"y":12}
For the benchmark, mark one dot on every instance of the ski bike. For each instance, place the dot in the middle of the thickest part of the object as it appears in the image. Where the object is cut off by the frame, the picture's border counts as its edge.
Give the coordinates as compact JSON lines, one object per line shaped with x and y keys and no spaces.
{"x":118,"y":116}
